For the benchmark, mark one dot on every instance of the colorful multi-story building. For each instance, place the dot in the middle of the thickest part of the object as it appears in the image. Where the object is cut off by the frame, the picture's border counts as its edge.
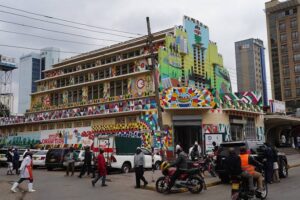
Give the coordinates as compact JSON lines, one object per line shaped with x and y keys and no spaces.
{"x":111,"y":91}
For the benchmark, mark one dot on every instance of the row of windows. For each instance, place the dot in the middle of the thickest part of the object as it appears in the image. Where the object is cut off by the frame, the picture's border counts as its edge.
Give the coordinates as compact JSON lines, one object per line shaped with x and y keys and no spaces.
{"x":285,"y":58}
{"x":288,"y":12}
{"x":103,"y":61}
{"x":288,"y":92}
{"x":96,"y":75}
{"x":294,"y":36}
{"x":116,"y":88}
{"x":287,"y":81}
{"x":293,"y":24}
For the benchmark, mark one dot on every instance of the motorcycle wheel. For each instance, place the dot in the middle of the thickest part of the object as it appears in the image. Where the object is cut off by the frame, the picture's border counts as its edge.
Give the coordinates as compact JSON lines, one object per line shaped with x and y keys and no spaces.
{"x":264,"y":193}
{"x":161,"y":185}
{"x":197,"y":185}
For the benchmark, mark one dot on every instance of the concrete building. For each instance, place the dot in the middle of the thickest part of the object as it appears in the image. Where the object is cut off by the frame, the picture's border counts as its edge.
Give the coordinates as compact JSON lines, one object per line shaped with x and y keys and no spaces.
{"x":284,"y":50}
{"x":111,"y":91}
{"x":250,"y":67}
{"x":31,"y":69}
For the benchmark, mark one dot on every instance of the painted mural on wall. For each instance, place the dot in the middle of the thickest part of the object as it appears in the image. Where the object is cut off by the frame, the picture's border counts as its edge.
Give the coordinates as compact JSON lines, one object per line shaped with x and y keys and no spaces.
{"x":222,"y":79}
{"x":248,"y":101}
{"x":185,"y":97}
{"x":81,"y":136}
{"x":25,"y":139}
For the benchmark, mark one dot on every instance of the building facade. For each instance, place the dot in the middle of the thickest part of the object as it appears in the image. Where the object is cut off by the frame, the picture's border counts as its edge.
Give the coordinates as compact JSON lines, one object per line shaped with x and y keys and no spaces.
{"x":284,"y":50}
{"x":111,"y":91}
{"x":30,"y":70}
{"x":250,"y":67}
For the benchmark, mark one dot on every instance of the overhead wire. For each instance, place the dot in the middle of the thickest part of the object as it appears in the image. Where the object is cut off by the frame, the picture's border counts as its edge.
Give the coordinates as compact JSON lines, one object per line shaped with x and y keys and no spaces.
{"x":30,"y":48}
{"x":70,"y":26}
{"x":66,"y":33}
{"x":48,"y":38}
{"x":69,"y":21}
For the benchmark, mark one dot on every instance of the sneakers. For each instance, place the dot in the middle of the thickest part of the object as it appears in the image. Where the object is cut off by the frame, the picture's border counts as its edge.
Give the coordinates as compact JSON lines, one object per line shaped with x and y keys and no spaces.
{"x":30,"y":185}
{"x":14,"y":187}
{"x":104,"y":185}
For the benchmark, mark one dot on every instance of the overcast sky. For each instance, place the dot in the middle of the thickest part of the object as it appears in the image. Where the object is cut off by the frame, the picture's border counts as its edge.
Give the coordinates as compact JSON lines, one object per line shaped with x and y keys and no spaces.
{"x":228,"y":21}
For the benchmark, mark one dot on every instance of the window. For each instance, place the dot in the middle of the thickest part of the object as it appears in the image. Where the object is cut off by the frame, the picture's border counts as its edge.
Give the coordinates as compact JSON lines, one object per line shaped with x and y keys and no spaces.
{"x":51,"y":126}
{"x":112,"y":88}
{"x":75,"y":96}
{"x":120,"y":120}
{"x":95,"y":92}
{"x":296,"y":57}
{"x":70,"y":95}
{"x":90,"y":93}
{"x":294,"y":23}
{"x":44,"y":127}
{"x":283,"y":37}
{"x":295,"y":35}
{"x":60,"y":125}
{"x":125,"y":87}
{"x":298,"y":80}
{"x":297,"y":68}
{"x":118,"y":88}
{"x":68,"y":125}
{"x":78,"y":124}
{"x":118,"y":70}
{"x":298,"y":92}
{"x":288,"y":93}
{"x":287,"y":82}
{"x":286,"y":71}
{"x":285,"y":59}
{"x":296,"y":46}
{"x":96,"y":75}
{"x":284,"y":48}
{"x":87,"y":123}
{"x":282,"y":26}
{"x":101,"y":74}
{"x":107,"y":73}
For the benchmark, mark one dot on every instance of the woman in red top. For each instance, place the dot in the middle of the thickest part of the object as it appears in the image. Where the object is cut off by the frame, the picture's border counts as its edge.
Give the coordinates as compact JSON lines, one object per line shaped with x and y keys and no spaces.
{"x":101,"y":169}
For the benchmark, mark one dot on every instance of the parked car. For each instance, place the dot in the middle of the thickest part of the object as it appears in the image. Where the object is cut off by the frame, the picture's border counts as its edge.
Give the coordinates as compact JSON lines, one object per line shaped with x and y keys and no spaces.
{"x":255,"y":148}
{"x":3,"y":153}
{"x":39,"y":158}
{"x":119,"y":152}
{"x":79,"y":162}
{"x":55,"y":158}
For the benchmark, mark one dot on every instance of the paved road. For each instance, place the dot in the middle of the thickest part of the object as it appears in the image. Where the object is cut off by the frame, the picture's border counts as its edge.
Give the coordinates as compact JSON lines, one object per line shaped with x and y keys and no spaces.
{"x":53,"y":185}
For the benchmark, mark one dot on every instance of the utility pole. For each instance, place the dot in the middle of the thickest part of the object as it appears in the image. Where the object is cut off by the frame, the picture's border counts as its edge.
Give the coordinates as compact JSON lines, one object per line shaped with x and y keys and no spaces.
{"x":153,"y":69}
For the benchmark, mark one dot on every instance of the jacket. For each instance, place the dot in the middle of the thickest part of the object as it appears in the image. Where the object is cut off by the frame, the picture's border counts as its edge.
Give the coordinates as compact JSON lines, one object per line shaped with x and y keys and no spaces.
{"x":101,"y":165}
{"x":26,"y":168}
{"x":233,"y":165}
{"x":181,"y":161}
{"x":88,"y":156}
{"x":9,"y":156}
{"x":139,"y":159}
{"x":245,"y":163}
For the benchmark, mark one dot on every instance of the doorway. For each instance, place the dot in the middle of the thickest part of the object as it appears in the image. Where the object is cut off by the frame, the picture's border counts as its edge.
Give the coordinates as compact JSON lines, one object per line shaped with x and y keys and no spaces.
{"x":187,"y":135}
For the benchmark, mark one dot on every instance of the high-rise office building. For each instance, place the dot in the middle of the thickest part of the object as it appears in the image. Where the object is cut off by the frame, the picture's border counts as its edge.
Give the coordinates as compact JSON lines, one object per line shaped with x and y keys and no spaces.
{"x":284,"y":50}
{"x":31,"y":69}
{"x":250,"y":67}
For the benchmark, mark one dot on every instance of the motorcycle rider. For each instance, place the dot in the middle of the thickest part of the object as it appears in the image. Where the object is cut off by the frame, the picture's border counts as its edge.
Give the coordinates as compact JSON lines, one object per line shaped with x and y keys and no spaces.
{"x":180,"y":163}
{"x":247,"y":164}
{"x":195,"y":152}
{"x":234,"y":168}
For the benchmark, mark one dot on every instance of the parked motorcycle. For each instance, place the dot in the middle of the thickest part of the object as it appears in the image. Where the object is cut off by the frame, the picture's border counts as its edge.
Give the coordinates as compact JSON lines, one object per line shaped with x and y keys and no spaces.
{"x":207,"y":163}
{"x":189,"y":179}
{"x":240,"y":188}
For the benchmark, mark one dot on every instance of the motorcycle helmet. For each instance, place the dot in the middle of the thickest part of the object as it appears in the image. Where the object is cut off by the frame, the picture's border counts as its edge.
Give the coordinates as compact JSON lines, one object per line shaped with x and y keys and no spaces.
{"x":164,"y":166}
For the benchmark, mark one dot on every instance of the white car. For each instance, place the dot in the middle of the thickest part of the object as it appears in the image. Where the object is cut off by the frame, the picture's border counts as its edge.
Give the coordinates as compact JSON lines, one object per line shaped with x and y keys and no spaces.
{"x":39,"y":158}
{"x":126,"y":162}
{"x":79,"y":162}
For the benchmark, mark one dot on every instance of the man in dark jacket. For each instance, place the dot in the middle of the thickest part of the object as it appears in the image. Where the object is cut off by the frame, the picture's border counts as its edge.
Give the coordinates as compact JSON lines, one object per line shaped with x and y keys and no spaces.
{"x":87,"y":163}
{"x":101,"y":169}
{"x":269,"y":155}
{"x":16,"y":159}
{"x":233,"y":166}
{"x":9,"y":157}
{"x":139,"y":162}
{"x":180,"y":164}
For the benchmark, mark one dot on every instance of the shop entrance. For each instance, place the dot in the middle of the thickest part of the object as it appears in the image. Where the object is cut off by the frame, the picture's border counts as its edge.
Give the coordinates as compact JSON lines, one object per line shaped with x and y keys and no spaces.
{"x":187,"y":135}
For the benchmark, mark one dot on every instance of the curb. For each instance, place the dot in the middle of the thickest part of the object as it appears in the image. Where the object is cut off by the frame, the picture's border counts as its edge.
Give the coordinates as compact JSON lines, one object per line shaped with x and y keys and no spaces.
{"x":152,"y":188}
{"x":294,"y":165}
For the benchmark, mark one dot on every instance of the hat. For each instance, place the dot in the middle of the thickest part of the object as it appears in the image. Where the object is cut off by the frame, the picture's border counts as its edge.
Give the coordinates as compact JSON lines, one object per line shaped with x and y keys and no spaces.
{"x":138,"y":148}
{"x":196,"y":143}
{"x":178,"y":147}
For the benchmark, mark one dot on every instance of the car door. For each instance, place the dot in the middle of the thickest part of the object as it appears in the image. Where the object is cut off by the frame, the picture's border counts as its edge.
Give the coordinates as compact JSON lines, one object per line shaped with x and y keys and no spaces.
{"x":148,"y":158}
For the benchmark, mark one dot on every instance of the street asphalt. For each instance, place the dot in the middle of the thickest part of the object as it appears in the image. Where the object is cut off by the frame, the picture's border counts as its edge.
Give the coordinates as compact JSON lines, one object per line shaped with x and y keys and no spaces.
{"x":54,"y":185}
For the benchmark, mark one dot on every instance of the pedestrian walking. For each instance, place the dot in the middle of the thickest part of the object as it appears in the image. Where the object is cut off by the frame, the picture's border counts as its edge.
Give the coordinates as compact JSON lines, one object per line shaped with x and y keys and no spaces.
{"x":70,"y":158}
{"x":87,"y":163}
{"x":9,"y":156}
{"x":25,"y":173}
{"x":16,"y":161}
{"x":269,"y":163}
{"x":101,"y":169}
{"x":195,"y":152}
{"x":139,"y":162}
{"x":275,"y":165}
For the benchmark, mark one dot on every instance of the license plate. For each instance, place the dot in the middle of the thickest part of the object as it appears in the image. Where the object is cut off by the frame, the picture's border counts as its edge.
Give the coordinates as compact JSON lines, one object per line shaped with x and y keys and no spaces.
{"x":235,"y":186}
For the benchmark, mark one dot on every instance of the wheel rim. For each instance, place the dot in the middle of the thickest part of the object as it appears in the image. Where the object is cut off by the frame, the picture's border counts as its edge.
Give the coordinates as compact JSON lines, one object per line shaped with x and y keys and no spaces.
{"x":162,"y":185}
{"x":284,"y":170}
{"x":196,"y":184}
{"x":126,"y":169}
{"x":157,"y":166}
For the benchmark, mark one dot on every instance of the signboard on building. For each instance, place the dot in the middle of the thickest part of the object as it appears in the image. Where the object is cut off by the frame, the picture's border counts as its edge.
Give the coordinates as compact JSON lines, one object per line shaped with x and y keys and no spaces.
{"x":277,"y":106}
{"x":7,"y":61}
{"x":210,"y":138}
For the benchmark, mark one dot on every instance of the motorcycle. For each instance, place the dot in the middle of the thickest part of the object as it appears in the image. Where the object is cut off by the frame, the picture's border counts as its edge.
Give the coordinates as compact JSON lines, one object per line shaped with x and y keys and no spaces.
{"x":188,"y":179}
{"x":207,"y":163}
{"x":240,"y":188}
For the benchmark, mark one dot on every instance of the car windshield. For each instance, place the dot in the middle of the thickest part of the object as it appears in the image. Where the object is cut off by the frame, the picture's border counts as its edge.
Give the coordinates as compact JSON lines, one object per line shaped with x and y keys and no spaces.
{"x":41,"y":153}
{"x":224,"y":147}
{"x":3,"y":151}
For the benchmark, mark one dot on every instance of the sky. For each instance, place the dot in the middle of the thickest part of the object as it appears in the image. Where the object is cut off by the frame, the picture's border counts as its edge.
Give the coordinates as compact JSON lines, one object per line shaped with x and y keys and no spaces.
{"x":228,"y":21}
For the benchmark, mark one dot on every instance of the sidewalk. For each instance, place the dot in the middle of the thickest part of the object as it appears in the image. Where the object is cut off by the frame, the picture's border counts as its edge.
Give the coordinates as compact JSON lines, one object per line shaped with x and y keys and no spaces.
{"x":293,"y":160}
